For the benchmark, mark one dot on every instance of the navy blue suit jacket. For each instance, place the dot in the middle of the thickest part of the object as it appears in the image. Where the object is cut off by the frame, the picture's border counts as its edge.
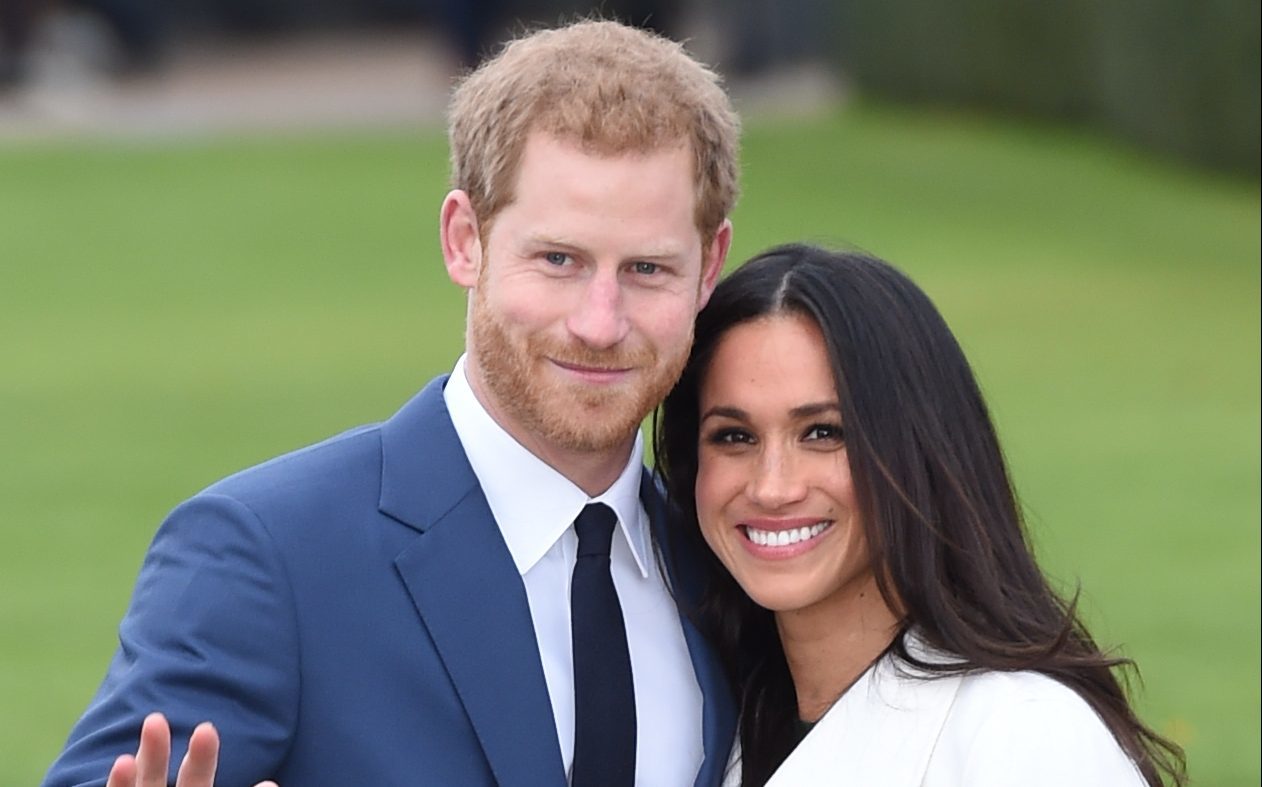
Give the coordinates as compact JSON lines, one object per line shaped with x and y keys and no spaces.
{"x":347,"y":614}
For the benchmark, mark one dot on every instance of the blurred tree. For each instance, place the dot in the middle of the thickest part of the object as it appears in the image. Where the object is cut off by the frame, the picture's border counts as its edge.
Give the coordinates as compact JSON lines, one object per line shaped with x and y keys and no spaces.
{"x":1178,"y":76}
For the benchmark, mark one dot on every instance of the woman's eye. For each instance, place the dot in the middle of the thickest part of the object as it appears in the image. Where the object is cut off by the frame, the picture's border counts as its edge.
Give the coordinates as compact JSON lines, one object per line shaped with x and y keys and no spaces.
{"x":557,"y":257}
{"x":730,"y":437}
{"x":824,"y":432}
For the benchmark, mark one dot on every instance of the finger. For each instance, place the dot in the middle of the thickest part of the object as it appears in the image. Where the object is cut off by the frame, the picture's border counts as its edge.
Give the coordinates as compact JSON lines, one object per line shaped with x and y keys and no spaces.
{"x":154,"y":756}
{"x":123,"y":774}
{"x":198,"y":767}
{"x":267,"y":784}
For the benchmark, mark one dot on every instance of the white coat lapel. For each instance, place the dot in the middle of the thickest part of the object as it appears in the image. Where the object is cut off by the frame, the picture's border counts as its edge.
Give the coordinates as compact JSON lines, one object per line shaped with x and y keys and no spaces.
{"x":881,"y":732}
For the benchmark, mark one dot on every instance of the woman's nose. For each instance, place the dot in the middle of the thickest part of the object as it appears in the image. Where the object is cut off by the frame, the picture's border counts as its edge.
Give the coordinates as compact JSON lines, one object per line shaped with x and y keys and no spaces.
{"x":778,"y":480}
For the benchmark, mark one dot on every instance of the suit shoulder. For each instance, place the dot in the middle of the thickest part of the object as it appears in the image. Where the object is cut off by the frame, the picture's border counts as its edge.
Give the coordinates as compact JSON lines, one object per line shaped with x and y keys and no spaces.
{"x":334,"y":464}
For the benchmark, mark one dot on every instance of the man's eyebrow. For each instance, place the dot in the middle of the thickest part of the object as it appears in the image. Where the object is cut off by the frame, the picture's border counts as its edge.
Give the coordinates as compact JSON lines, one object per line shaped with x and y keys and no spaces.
{"x":560,"y":242}
{"x":551,"y":240}
{"x":658,"y":254}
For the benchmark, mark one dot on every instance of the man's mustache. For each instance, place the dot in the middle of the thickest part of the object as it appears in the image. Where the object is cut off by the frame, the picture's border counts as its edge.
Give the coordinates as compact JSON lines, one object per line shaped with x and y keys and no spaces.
{"x":579,"y":354}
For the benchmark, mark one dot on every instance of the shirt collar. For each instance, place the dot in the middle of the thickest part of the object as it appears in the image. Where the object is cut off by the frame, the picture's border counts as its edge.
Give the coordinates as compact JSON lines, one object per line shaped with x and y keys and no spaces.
{"x":534,"y":504}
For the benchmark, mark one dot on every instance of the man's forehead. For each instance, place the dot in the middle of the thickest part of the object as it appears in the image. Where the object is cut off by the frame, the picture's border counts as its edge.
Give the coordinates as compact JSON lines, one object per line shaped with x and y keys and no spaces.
{"x":538,"y":143}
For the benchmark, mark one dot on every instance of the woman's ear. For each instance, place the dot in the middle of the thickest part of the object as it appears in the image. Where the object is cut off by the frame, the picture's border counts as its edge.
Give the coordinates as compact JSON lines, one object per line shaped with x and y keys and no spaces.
{"x":462,"y":244}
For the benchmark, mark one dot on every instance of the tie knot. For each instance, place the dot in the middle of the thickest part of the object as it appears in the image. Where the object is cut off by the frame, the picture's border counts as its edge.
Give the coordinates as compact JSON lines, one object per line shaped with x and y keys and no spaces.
{"x":595,"y":530}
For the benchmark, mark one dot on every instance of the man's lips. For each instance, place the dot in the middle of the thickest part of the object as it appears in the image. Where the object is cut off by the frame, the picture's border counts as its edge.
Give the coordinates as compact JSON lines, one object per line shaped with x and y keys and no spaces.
{"x":594,"y":373}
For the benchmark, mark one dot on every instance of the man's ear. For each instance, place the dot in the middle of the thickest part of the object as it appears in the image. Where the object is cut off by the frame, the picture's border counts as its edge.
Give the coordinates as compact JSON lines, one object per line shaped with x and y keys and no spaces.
{"x":462,"y":245}
{"x":712,"y":259}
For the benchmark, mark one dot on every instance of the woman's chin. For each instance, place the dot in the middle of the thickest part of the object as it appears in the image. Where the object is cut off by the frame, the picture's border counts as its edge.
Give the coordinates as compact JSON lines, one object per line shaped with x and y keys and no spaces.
{"x":779,"y":596}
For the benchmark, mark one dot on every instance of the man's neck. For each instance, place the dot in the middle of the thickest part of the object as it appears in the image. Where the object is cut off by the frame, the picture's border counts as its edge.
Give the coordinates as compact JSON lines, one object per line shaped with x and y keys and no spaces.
{"x":592,"y":471}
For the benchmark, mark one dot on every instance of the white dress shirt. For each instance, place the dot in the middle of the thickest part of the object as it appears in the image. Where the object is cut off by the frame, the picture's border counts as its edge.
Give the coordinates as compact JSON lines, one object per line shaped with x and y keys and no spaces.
{"x":535,"y":507}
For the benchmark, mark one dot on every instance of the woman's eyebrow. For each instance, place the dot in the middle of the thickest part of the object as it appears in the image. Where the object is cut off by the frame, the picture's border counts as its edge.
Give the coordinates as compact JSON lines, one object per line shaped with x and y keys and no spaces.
{"x":815,"y":408}
{"x":723,"y":411}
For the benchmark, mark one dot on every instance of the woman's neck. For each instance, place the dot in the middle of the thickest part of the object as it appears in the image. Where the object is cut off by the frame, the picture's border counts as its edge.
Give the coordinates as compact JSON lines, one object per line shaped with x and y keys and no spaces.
{"x":830,"y":644}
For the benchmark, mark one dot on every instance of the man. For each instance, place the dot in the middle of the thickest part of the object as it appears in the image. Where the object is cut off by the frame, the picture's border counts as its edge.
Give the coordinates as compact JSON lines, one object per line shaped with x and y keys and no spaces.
{"x":393,"y":606}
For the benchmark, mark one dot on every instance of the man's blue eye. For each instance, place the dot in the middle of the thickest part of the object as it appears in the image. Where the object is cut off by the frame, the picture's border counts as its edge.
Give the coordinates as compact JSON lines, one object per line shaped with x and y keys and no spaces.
{"x":646,"y":267}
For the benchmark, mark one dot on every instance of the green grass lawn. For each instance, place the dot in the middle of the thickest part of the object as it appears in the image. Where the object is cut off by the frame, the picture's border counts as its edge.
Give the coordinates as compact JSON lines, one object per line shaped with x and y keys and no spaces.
{"x":170,"y":313}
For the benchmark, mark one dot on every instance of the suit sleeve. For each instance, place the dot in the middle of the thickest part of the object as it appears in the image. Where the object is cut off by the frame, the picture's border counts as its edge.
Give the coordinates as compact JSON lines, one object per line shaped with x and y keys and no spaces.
{"x":210,"y":634}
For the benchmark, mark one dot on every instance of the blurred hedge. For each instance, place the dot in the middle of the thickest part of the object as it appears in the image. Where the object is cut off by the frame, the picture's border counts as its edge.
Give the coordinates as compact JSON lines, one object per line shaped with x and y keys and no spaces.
{"x":1177,"y":76}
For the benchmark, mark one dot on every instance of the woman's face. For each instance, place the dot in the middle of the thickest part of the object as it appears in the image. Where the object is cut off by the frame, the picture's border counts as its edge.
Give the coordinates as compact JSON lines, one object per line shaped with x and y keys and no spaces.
{"x":774,"y":493}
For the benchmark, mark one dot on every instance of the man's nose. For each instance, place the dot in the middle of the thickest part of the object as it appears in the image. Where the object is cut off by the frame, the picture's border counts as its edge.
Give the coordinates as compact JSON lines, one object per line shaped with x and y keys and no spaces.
{"x":599,"y":319}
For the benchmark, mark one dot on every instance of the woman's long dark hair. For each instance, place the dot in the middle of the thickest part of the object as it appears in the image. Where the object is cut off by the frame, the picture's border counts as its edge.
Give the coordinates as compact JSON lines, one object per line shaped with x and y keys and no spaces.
{"x":933,"y":492}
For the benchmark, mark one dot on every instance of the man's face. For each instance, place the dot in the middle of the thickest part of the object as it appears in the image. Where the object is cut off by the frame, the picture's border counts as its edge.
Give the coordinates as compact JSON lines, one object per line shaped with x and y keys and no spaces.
{"x":581,"y":317}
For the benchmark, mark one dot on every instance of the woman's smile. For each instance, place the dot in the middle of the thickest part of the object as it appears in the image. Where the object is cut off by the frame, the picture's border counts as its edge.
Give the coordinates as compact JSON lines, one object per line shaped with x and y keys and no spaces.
{"x":785,"y":538}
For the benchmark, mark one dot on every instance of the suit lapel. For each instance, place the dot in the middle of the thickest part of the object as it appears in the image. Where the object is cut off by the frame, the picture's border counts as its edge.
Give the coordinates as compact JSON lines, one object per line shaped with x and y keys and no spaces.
{"x":718,"y":714}
{"x":467,"y":591}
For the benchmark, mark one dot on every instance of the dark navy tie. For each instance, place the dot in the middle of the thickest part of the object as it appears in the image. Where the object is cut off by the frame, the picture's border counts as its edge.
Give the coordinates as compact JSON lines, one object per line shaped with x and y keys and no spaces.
{"x":604,"y":694}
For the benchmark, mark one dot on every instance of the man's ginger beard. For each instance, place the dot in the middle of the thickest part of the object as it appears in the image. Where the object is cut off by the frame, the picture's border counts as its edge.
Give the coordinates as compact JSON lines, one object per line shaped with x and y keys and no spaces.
{"x":576,"y":417}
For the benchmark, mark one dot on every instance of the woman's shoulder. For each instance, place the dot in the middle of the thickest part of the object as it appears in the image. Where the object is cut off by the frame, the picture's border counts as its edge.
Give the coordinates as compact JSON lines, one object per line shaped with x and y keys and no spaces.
{"x":1028,"y":728}
{"x":996,"y":690}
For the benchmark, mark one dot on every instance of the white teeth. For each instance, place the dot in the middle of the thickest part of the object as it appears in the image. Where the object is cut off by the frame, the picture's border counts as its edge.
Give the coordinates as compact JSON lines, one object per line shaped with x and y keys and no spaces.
{"x":782,"y":538}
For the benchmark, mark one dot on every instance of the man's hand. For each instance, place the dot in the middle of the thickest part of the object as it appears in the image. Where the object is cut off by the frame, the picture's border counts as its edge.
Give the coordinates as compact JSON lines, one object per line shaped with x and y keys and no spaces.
{"x":148,"y":767}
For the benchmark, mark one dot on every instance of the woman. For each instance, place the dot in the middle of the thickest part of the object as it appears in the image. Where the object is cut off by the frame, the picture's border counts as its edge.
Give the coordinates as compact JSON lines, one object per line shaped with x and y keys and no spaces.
{"x":868,"y":573}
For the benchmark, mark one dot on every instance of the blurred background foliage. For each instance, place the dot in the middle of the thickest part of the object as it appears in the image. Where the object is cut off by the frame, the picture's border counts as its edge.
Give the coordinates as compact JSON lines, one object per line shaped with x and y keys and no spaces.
{"x":1176,"y":76}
